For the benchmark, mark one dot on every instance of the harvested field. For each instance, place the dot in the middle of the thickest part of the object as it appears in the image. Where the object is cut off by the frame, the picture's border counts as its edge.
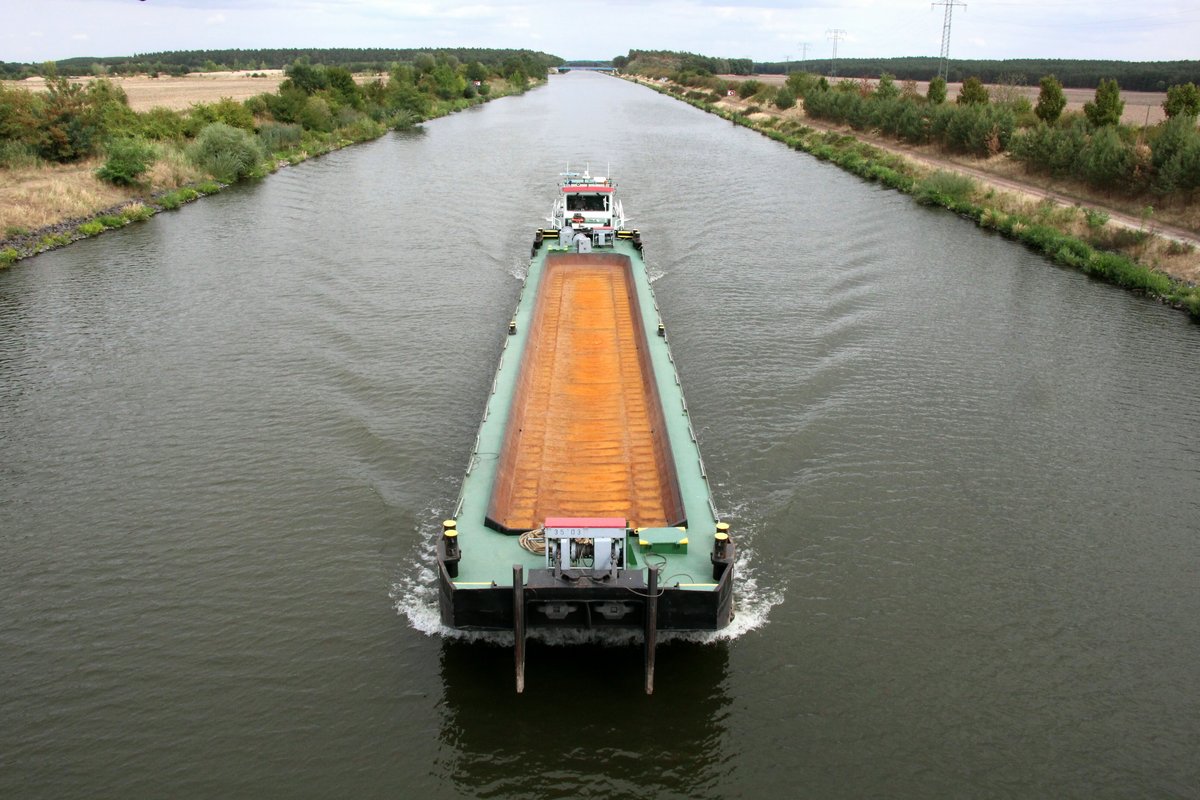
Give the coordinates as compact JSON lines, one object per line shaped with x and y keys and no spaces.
{"x":1141,"y":108}
{"x":146,"y":93}
{"x":178,"y":93}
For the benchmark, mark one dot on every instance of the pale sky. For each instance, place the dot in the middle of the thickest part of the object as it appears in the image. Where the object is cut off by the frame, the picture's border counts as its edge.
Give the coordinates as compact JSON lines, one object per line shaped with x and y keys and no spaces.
{"x":764,"y":30}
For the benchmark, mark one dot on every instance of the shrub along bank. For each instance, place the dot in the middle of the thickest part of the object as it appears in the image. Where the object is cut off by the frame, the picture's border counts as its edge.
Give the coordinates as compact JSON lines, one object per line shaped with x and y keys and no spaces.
{"x":1070,"y":236}
{"x":316,"y":109}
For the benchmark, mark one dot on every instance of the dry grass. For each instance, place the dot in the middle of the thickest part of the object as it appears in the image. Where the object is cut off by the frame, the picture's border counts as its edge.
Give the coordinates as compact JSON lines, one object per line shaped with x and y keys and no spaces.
{"x":39,"y":196}
{"x":172,"y":170}
{"x":1168,"y":211}
{"x":1180,"y":261}
{"x":36,"y":197}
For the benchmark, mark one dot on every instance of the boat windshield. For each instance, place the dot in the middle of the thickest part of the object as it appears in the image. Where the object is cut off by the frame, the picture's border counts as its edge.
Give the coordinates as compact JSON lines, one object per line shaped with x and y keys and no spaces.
{"x":578,"y":201}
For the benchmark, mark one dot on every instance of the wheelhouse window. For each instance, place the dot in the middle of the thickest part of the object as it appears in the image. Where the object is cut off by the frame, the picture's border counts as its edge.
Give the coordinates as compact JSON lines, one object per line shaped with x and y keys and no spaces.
{"x":578,"y":201}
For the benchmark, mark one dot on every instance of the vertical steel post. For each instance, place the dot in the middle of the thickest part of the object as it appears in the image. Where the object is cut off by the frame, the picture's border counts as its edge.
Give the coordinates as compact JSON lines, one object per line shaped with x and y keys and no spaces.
{"x":651,"y":627}
{"x":519,"y":624}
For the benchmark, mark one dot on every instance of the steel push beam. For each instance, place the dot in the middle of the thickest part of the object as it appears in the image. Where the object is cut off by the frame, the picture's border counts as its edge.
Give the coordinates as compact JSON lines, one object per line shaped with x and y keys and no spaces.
{"x":651,"y":627}
{"x":519,"y":624}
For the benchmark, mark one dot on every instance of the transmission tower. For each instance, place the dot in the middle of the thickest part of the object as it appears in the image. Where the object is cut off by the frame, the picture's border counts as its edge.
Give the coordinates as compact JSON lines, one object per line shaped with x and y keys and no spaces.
{"x":803,"y":55}
{"x":944,"y":68}
{"x":835,"y":35}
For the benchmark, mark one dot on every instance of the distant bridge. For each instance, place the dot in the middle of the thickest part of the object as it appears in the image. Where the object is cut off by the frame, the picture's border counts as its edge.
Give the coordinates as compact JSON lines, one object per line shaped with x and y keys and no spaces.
{"x":589,"y":67}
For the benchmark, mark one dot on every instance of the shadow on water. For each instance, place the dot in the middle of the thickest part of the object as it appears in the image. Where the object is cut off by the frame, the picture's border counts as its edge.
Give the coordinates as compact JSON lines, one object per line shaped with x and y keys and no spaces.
{"x":583,"y":727}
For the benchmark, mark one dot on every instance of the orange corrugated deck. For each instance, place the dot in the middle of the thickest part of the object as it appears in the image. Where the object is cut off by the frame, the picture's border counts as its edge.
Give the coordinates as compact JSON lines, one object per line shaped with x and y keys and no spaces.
{"x":585,"y":434}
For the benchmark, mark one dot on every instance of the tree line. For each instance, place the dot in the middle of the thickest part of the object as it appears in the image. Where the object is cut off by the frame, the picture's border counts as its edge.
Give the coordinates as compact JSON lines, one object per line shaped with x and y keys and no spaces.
{"x":356,"y":59}
{"x":1142,"y":76}
{"x":660,"y":63}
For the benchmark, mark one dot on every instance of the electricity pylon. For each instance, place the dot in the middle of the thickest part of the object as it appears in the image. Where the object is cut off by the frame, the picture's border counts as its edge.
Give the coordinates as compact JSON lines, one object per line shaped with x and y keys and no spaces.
{"x":944,"y":68}
{"x":836,"y":35}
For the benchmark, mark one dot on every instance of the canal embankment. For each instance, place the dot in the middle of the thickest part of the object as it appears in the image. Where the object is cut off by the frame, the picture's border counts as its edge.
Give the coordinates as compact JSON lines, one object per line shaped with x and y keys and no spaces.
{"x":46,"y":204}
{"x":1135,"y":253}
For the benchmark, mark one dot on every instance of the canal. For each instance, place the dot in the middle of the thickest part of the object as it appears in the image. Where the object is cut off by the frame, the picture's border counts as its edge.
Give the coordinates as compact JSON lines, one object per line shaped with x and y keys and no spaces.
{"x":966,"y":483}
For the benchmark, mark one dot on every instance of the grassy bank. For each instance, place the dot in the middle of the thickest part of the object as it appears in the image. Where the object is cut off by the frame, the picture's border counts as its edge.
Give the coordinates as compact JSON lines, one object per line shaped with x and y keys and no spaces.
{"x":76,"y":160}
{"x":1070,"y":236}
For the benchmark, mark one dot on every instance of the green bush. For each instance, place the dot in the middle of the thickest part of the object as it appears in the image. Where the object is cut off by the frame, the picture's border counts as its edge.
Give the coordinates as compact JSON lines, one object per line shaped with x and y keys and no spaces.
{"x":225,"y":152}
{"x":1051,"y":100}
{"x":1106,"y":161}
{"x":161,"y":123}
{"x":173,"y":200}
{"x":1095,"y":219}
{"x":9,"y":255}
{"x":226,"y":110}
{"x":279,"y":136}
{"x":363,"y":129}
{"x":17,"y":155}
{"x":110,"y":220}
{"x":52,"y":240}
{"x":944,"y":189}
{"x":404,"y":120}
{"x":91,"y":228}
{"x":784,"y":99}
{"x":128,"y":160}
{"x":136,"y":212}
{"x":1108,"y":106}
{"x":747,"y":89}
{"x":316,"y":115}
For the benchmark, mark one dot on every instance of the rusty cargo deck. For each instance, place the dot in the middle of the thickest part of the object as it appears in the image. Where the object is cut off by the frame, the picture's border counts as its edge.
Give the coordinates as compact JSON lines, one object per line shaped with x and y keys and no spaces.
{"x":585,"y":503}
{"x":585,"y":435}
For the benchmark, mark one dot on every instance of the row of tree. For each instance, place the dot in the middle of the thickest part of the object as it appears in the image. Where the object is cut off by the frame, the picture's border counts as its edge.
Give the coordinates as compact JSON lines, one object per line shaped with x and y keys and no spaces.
{"x":356,"y":59}
{"x":1146,"y":76}
{"x":1092,"y":145}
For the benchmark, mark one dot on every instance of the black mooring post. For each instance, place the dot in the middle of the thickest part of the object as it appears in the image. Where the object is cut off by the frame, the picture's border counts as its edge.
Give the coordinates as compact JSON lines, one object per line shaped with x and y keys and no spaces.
{"x":651,"y":627}
{"x":519,"y":624}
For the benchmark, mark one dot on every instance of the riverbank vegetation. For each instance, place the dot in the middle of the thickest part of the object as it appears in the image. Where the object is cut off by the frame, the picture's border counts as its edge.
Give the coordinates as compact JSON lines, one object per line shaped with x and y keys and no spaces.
{"x":1072,"y":236}
{"x":74,"y":155}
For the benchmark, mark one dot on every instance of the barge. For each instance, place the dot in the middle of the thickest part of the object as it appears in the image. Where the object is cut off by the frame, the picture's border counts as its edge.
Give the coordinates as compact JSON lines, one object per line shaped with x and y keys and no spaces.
{"x":586,"y":503}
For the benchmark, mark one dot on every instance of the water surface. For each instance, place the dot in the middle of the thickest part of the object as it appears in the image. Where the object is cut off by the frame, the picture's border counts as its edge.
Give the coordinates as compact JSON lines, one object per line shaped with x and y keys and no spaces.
{"x":966,"y":483}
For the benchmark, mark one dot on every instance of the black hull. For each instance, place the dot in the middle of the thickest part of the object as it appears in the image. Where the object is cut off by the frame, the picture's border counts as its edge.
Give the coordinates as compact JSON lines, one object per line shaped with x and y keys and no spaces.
{"x":586,"y":605}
